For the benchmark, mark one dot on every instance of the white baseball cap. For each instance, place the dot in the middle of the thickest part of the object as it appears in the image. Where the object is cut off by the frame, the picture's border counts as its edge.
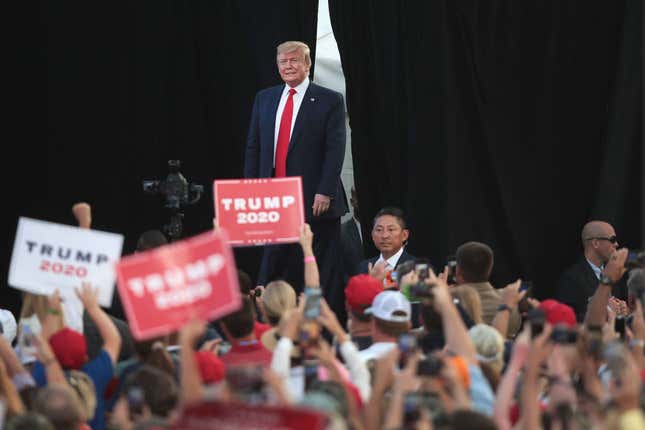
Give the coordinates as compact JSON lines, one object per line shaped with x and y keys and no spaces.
{"x":9,"y":325}
{"x":388,"y":304}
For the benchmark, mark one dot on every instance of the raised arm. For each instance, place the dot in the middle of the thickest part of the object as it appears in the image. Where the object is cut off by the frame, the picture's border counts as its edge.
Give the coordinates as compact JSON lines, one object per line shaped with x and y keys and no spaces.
{"x":511,"y":296}
{"x":105,"y":326}
{"x":614,"y":270}
{"x":83,"y":214}
{"x":192,"y":387}
{"x":506,"y":388}
{"x":312,"y":277}
{"x":540,"y":349}
{"x":53,"y":370}
{"x":454,"y":329}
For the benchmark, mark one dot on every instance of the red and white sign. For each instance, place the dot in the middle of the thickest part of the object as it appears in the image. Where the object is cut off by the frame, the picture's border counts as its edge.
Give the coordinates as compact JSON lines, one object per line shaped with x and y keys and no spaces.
{"x":164,"y":288}
{"x":240,"y":416}
{"x":48,"y":256}
{"x":259,"y":211}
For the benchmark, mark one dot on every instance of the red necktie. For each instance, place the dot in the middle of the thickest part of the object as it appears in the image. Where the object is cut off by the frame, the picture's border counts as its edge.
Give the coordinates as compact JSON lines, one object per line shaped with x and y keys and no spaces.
{"x":284,"y":134}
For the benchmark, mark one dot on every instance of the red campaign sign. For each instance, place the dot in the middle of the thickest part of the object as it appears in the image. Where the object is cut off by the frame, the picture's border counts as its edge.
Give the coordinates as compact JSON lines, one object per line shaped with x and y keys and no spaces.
{"x":259,"y":211}
{"x":164,"y":288}
{"x":239,"y":416}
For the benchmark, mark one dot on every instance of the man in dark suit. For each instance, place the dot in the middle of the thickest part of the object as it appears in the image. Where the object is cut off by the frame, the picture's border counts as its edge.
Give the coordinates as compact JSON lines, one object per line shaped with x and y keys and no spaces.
{"x":298,"y":129}
{"x":579,"y":282}
{"x":389,"y":234}
{"x":352,"y":239}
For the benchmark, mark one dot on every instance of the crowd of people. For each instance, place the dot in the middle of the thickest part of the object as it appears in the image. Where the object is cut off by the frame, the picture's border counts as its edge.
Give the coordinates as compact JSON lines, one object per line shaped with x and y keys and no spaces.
{"x":418,"y":350}
{"x":334,"y":339}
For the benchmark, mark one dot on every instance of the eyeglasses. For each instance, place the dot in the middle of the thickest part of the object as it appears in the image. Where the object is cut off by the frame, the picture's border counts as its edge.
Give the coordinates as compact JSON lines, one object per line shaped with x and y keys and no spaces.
{"x":611,"y":239}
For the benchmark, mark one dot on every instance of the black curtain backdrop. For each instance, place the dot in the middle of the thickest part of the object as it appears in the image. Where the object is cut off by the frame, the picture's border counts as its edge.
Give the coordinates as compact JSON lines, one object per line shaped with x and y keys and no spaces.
{"x":511,"y":123}
{"x":507,"y":122}
{"x":110,"y":92}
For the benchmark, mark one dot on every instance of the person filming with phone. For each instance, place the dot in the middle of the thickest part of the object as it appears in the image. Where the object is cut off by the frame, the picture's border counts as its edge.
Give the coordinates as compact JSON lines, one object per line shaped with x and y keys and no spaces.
{"x":474,"y":266}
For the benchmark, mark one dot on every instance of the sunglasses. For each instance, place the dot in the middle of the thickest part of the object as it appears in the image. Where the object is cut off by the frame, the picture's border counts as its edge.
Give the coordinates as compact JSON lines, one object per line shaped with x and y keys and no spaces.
{"x":612,"y":239}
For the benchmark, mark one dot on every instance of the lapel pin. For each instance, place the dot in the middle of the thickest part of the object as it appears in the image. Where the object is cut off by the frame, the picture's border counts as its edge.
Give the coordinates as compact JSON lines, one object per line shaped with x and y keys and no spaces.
{"x":312,"y":99}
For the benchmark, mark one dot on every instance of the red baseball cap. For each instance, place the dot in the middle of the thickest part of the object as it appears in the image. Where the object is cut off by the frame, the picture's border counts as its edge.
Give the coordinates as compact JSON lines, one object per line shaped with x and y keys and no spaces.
{"x":69,"y":347}
{"x":558,"y":313}
{"x":360,"y":292}
{"x":211,"y":368}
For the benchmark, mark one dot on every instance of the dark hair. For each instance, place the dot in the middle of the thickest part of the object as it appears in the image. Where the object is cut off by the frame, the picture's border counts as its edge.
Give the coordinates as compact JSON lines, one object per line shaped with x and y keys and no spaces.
{"x":241,"y":322}
{"x":464,"y":419}
{"x":59,"y":405}
{"x":475,"y":261}
{"x":360,"y":316}
{"x":392,"y":328}
{"x":392,"y":211}
{"x":431,"y":318}
{"x":245,"y":282}
{"x":153,"y":352}
{"x":151,"y":239}
{"x":160,"y":391}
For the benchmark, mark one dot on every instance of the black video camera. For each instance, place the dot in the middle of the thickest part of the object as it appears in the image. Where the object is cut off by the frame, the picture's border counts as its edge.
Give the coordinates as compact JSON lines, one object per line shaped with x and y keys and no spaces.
{"x":177,"y":193}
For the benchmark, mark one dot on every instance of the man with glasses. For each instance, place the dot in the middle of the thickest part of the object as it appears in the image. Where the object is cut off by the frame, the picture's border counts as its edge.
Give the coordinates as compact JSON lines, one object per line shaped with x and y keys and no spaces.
{"x":579,"y":282}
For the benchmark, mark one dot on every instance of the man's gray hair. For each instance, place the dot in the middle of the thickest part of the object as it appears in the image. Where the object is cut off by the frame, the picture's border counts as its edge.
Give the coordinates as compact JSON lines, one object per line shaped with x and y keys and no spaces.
{"x":294,"y":45}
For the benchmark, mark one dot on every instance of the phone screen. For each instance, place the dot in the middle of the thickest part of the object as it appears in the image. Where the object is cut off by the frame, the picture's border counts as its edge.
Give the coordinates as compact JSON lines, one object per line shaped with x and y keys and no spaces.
{"x":411,"y":408}
{"x":312,"y":304}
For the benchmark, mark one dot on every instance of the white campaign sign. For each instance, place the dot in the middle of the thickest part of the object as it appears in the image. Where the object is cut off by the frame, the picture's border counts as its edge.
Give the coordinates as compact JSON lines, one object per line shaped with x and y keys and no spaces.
{"x":48,"y":256}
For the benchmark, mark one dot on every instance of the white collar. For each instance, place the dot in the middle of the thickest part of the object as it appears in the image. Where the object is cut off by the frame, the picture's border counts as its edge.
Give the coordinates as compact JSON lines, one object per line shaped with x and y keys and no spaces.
{"x":596,"y":269}
{"x":300,"y":88}
{"x":393,"y":259}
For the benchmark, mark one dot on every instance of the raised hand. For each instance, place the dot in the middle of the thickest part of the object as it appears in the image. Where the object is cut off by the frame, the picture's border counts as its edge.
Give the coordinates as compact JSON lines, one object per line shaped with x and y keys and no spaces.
{"x":83,"y":214}
{"x":88,"y":296}
{"x":306,"y":238}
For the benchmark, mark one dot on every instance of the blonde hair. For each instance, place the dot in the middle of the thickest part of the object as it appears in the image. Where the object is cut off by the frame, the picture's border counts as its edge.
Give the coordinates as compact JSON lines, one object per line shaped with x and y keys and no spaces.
{"x":37,"y":304}
{"x":294,"y":45}
{"x":278,"y":297}
{"x":470,"y":301}
{"x":489,"y":345}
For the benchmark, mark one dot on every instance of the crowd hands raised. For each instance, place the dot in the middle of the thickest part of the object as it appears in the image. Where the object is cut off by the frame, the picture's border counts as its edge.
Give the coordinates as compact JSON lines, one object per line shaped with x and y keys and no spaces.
{"x":419,"y":351}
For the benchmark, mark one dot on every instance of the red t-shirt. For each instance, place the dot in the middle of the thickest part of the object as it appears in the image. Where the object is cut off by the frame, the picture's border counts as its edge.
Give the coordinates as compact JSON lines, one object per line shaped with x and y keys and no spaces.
{"x":247,"y":352}
{"x":259,"y":329}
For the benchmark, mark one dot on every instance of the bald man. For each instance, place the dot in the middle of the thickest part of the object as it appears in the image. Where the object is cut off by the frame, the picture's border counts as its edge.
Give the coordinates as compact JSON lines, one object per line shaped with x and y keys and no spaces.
{"x":580,"y":281}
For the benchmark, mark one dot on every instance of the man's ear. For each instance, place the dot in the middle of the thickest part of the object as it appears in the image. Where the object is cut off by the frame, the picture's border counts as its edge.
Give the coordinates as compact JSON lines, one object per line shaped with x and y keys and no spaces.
{"x":406,"y":235}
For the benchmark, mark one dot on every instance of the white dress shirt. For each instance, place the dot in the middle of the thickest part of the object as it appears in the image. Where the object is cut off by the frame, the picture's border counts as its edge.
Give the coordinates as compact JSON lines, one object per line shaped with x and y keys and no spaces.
{"x":391,"y":262}
{"x":596,"y":269}
{"x":297,"y":101}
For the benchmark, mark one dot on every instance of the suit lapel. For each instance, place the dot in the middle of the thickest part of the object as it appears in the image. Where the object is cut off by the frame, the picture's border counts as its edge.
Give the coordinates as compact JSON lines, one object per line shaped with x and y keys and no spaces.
{"x":303,"y":113}
{"x":275,"y":101}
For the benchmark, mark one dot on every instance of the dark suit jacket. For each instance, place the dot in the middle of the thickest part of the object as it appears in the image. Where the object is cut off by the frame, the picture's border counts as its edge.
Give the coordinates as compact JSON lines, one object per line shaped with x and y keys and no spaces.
{"x":353,"y":252}
{"x":363,"y":266}
{"x":575,"y":286}
{"x":316,"y":148}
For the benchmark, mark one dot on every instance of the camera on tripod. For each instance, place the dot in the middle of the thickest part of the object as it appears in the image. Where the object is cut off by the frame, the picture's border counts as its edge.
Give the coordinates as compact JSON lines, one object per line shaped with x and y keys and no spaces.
{"x":177,"y":193}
